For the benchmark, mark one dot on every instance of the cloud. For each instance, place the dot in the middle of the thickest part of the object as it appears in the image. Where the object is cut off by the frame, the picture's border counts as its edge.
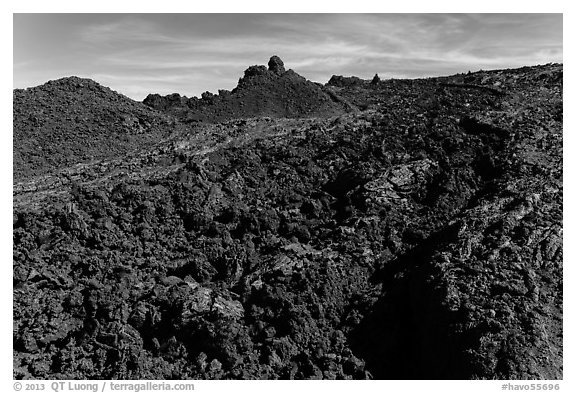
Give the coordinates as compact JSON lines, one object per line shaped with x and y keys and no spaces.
{"x":126,"y":31}
{"x":193,"y":53}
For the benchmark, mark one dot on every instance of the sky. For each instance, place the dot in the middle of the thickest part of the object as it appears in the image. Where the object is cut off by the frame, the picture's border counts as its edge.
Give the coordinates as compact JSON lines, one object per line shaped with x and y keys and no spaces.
{"x":138,"y":54}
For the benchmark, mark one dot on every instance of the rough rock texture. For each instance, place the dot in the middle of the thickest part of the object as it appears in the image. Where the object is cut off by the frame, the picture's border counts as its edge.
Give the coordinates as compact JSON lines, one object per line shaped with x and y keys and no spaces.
{"x":276,"y":65}
{"x":72,"y":120}
{"x":418,"y":238}
{"x":345,"y":81}
{"x":262,"y":91}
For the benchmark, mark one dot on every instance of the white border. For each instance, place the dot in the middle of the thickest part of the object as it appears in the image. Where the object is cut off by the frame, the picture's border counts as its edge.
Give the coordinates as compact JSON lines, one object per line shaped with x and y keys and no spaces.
{"x":292,"y":6}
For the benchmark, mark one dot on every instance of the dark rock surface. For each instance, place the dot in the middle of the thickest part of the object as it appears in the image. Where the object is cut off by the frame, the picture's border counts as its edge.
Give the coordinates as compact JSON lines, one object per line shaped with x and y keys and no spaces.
{"x":272,"y":92}
{"x":419,"y":238}
{"x":276,"y":65}
{"x":72,"y":120}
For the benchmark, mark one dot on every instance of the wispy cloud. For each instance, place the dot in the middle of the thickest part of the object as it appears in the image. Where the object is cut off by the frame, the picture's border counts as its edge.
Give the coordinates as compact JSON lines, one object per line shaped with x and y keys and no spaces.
{"x":125,"y":31}
{"x":138,"y":54}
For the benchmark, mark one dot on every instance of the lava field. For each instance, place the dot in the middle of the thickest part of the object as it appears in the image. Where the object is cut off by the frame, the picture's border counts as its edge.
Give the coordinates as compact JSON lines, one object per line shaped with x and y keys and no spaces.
{"x":361,"y":229}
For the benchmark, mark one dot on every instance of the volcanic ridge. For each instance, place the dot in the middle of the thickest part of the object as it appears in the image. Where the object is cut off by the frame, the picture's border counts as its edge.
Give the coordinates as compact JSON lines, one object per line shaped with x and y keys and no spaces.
{"x":360,"y":229}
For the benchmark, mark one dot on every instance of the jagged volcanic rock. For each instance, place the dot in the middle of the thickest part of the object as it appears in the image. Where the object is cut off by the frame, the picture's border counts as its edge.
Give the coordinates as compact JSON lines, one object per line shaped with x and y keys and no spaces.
{"x":74,"y":120}
{"x":342,"y":81}
{"x":276,"y":65}
{"x":419,"y":238}
{"x":272,"y":92}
